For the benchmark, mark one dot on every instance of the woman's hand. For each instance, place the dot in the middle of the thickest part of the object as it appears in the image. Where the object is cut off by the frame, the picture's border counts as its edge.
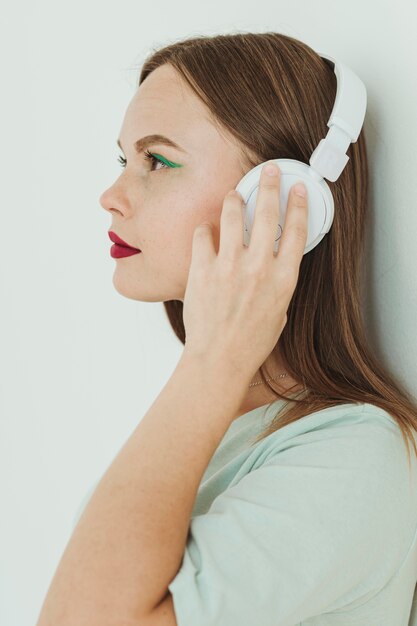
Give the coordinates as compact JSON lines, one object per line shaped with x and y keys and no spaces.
{"x":236,"y":301}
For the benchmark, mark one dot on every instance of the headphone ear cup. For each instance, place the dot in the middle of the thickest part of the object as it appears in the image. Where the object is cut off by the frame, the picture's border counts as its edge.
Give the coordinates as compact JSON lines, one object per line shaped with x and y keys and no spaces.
{"x":320,"y":200}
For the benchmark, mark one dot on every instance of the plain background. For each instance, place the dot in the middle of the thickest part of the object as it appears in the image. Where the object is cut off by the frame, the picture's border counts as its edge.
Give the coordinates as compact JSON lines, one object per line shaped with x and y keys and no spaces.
{"x":80,"y":364}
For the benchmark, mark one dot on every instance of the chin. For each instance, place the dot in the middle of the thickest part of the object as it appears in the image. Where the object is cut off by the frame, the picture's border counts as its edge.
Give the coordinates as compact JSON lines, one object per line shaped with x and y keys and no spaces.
{"x":130,"y":288}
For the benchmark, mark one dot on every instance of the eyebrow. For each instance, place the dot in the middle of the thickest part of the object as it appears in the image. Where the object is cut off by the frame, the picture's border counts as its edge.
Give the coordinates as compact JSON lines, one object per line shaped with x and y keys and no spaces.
{"x":144,"y":142}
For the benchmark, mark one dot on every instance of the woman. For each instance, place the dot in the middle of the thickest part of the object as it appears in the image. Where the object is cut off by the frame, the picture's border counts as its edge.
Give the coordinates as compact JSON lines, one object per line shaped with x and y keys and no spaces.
{"x":269,"y":482}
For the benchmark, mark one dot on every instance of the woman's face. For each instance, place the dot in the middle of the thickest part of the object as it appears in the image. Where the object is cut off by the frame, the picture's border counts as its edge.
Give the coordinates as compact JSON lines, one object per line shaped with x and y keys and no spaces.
{"x":156,"y":207}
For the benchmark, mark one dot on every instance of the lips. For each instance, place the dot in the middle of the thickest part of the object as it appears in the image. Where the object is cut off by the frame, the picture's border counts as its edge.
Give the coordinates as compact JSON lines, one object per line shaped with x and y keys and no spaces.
{"x":118,"y":252}
{"x":116,"y":239}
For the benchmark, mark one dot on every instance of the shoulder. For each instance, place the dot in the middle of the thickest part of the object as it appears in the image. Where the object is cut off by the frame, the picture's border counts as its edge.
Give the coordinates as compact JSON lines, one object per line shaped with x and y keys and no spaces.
{"x":332,"y":488}
{"x":362,"y":437}
{"x":358,"y":452}
{"x":355,"y":427}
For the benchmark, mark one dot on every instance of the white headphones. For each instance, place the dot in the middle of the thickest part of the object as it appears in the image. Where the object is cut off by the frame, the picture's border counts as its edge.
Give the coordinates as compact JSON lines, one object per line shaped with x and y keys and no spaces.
{"x":327,"y":161}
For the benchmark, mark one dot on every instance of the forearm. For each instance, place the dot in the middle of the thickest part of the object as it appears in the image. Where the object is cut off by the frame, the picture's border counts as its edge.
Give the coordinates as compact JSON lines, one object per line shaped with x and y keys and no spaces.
{"x":129,"y":541}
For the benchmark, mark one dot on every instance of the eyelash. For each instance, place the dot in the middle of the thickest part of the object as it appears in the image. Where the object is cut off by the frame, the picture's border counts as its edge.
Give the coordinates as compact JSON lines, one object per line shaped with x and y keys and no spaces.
{"x":148,"y":155}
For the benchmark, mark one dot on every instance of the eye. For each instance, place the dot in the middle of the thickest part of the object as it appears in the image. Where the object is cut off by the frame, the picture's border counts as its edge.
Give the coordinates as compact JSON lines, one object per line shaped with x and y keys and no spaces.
{"x":150,"y":157}
{"x":154,"y":159}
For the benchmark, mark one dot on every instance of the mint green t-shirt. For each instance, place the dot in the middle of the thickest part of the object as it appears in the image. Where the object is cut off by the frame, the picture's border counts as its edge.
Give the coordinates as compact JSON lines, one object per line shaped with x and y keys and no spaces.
{"x":315,"y":525}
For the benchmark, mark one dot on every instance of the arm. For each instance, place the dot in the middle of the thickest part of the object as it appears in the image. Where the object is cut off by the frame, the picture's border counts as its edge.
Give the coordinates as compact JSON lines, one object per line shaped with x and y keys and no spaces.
{"x":129,"y":542}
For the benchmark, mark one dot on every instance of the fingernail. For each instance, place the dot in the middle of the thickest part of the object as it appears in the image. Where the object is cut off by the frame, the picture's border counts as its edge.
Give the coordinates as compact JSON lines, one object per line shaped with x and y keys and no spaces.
{"x":300,"y":190}
{"x":271,"y":169}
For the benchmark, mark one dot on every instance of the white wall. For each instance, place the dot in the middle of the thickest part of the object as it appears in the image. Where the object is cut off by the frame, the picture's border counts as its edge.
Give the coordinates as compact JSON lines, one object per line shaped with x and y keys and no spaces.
{"x":67,"y":404}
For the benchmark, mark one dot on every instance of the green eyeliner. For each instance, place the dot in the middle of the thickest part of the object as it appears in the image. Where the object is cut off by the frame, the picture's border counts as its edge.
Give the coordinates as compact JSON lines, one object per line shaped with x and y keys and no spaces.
{"x":169,"y":163}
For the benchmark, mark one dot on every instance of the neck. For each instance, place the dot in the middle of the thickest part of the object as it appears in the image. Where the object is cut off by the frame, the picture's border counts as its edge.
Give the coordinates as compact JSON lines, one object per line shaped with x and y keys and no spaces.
{"x":259,"y":395}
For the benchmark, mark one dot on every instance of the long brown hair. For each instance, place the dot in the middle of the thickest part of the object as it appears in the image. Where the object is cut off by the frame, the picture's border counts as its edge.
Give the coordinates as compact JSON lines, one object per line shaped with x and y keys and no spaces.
{"x":274,"y":94}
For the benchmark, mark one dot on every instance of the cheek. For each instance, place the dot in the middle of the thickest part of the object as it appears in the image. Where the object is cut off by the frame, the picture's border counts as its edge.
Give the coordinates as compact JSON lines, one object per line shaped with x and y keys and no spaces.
{"x":167,"y":236}
{"x":170,"y":222}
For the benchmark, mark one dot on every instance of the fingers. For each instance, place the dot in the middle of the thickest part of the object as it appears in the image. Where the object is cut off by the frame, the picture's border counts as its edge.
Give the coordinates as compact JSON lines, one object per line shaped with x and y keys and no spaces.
{"x":231,"y":226}
{"x":294,"y":234}
{"x":202,"y":250}
{"x":265,"y":227}
{"x":267,"y":210}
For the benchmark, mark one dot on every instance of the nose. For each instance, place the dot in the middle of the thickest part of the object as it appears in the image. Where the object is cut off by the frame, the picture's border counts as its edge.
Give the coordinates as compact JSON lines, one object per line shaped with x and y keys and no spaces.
{"x":102,"y":200}
{"x":110,"y":201}
{"x":116,"y":198}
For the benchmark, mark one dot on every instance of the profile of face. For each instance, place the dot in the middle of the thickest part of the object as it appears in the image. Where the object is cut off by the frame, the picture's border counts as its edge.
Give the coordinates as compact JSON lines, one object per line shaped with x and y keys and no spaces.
{"x":156,"y":204}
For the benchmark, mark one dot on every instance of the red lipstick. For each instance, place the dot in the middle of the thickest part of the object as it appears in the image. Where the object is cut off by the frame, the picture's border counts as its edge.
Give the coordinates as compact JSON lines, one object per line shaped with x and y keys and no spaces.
{"x":121,"y":248}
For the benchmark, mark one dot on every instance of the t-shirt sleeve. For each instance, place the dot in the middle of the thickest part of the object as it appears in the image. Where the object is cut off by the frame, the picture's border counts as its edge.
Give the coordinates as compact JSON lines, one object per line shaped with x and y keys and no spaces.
{"x":315,"y":526}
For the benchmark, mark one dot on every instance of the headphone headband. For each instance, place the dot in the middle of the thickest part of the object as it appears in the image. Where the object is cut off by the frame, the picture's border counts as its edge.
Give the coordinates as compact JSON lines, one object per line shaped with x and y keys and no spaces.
{"x":345,"y":123}
{"x":327,"y":161}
